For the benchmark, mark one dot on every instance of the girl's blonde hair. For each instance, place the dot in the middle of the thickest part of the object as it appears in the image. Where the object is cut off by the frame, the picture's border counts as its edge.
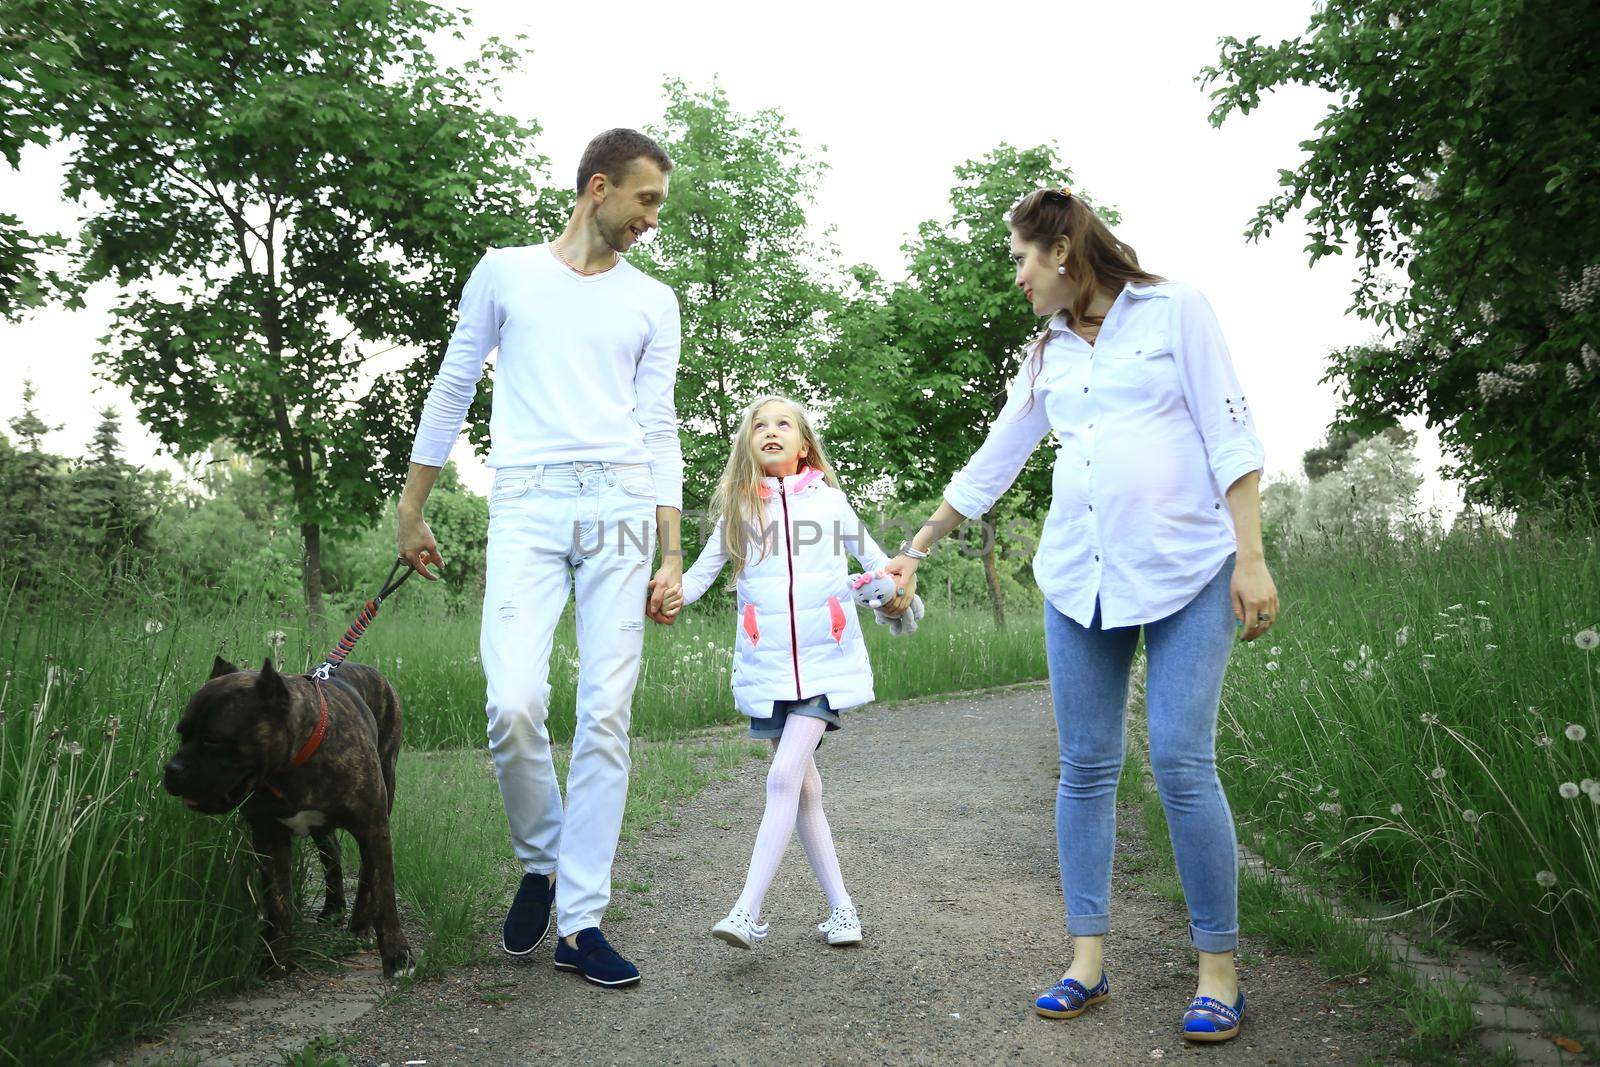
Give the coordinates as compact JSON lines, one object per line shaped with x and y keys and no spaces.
{"x":737,"y":501}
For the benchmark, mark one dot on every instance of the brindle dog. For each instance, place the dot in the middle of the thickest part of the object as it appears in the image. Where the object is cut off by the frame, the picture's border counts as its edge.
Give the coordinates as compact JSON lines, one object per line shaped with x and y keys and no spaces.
{"x":244,"y":740}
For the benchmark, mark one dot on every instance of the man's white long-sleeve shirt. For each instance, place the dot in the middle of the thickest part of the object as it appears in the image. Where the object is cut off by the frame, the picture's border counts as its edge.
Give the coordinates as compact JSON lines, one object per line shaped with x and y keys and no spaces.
{"x":585,"y":371}
{"x":1153,"y":429}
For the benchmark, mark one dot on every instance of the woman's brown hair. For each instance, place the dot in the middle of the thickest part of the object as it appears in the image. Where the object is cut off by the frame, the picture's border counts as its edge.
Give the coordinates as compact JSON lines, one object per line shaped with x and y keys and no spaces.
{"x":1096,"y":259}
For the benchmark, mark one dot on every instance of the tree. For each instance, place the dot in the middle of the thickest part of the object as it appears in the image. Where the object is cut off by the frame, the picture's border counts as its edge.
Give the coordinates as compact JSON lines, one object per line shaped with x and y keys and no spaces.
{"x":1459,"y":159}
{"x":110,"y":506}
{"x":734,"y":244}
{"x":32,"y":528}
{"x":1373,"y":487}
{"x":26,"y":282}
{"x":285,"y":190}
{"x":1335,"y":449}
{"x":963,"y":330}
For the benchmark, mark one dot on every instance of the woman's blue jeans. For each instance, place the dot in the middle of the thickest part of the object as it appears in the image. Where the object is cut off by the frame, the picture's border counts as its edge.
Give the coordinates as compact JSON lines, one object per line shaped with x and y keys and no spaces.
{"x":1188,"y":653}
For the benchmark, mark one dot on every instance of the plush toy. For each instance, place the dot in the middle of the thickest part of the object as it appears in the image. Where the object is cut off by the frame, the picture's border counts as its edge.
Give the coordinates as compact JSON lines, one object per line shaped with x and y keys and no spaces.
{"x":877,"y":589}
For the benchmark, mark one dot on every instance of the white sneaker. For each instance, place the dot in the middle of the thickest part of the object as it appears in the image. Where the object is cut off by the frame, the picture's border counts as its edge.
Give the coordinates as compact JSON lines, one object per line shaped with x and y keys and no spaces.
{"x":739,"y":929}
{"x":843,"y":927}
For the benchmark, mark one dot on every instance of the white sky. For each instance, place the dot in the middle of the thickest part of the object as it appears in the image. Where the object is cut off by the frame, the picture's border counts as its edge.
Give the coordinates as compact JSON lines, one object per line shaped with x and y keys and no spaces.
{"x":898,"y":94}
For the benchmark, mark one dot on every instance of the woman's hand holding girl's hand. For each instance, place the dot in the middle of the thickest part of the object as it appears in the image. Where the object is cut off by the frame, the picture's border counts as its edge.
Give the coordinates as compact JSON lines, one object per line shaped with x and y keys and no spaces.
{"x":904,"y":569}
{"x":1255,"y":597}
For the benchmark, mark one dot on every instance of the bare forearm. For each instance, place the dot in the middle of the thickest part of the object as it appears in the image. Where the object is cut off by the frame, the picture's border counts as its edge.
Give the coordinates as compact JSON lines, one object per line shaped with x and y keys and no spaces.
{"x":944,"y":519}
{"x":669,"y":531}
{"x":1244,"y":501}
{"x":419,"y":483}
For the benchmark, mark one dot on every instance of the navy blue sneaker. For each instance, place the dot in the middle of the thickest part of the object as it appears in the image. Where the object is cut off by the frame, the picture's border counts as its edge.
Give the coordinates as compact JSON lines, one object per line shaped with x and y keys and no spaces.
{"x":528,"y":921}
{"x":595,"y":959}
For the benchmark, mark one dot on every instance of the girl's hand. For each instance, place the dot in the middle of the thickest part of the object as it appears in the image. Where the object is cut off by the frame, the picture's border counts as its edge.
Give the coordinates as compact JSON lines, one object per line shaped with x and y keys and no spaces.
{"x":1255,"y":598}
{"x":904,"y":569}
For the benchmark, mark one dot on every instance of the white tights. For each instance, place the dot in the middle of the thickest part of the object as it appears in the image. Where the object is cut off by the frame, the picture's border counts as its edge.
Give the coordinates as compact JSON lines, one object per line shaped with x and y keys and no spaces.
{"x":794,"y":802}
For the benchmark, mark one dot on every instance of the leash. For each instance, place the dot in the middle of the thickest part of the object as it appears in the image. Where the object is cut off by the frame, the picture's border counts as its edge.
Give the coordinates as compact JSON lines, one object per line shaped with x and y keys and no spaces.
{"x":326,"y":668}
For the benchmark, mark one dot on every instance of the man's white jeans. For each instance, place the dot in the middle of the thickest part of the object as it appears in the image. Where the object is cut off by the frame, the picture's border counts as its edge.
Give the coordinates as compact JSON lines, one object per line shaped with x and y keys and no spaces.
{"x":591,"y":525}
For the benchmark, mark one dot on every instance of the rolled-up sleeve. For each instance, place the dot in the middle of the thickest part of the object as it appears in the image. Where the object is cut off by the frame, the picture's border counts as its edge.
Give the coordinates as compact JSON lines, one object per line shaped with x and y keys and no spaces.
{"x":1212,"y":391}
{"x":1016,"y":432}
{"x":653,"y":384}
{"x":477,"y":334}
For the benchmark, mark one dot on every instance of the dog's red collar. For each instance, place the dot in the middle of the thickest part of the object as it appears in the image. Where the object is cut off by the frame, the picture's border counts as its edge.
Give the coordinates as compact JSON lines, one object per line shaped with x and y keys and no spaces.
{"x":310,"y":747}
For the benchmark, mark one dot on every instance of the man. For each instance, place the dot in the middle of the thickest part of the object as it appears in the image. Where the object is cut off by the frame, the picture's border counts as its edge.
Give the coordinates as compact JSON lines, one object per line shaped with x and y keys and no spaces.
{"x":584,"y":443}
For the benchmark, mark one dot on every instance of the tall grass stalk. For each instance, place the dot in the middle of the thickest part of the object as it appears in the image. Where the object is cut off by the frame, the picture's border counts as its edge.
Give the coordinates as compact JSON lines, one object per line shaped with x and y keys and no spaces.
{"x":1422,"y":725}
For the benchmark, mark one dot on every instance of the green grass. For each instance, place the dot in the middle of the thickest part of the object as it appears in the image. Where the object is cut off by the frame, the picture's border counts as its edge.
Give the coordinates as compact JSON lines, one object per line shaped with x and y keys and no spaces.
{"x":119,"y":908}
{"x":1423,"y":726}
{"x":1437,"y":1015}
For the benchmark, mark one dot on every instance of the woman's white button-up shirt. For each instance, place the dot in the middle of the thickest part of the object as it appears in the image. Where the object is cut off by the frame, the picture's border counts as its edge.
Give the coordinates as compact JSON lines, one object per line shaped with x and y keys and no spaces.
{"x":1153,"y":428}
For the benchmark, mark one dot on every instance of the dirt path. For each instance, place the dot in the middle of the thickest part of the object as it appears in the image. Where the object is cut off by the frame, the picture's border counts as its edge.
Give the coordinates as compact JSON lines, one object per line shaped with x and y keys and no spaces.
{"x":943,"y":814}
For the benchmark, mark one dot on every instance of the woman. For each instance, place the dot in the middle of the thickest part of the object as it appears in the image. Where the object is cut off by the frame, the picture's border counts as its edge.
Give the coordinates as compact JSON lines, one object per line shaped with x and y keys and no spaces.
{"x":1154,"y":525}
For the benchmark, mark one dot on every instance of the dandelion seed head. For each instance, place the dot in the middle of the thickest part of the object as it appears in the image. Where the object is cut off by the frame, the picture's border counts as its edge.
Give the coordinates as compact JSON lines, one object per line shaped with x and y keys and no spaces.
{"x":1350,"y":665}
{"x":1437,"y":773}
{"x":1586,"y":639}
{"x":1568,"y":790}
{"x":1305,"y":684}
{"x":1397,"y":809}
{"x":73,"y":749}
{"x":1545,"y":878}
{"x":1272,"y":665}
{"x":1401,"y":636}
{"x":1576,"y":731}
{"x":1589,"y":785}
{"x":1542,"y":741}
{"x":153,"y":626}
{"x":1469,"y":816}
{"x":1275,"y":650}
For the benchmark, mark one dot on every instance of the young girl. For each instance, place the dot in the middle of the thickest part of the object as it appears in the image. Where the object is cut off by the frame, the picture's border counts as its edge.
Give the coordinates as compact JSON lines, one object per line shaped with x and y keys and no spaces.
{"x":799,"y":661}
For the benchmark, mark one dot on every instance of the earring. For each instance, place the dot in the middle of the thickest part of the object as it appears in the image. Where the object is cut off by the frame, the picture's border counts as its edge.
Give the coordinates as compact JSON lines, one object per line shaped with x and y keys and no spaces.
{"x":1062,"y":269}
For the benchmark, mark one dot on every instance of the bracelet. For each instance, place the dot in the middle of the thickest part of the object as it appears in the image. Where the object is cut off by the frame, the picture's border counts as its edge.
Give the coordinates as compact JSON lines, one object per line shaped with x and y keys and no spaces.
{"x":907,"y":550}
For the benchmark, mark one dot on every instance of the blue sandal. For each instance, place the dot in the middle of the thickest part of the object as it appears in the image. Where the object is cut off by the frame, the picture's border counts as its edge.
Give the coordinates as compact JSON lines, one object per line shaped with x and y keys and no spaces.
{"x":1209,"y":1019}
{"x":1068,"y":998}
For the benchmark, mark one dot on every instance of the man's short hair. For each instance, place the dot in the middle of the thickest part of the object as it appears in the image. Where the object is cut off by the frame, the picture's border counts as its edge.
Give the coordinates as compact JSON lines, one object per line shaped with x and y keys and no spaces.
{"x":612,"y":153}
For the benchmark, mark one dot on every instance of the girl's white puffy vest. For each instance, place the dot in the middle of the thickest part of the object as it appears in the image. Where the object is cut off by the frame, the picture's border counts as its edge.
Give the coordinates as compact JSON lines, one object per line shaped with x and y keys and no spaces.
{"x":797,"y":634}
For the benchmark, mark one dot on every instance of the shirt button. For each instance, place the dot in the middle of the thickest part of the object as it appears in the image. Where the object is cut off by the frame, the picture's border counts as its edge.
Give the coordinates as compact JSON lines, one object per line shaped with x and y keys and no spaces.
{"x":1097,"y":559}
{"x":1091,"y":426}
{"x":1086,"y":388}
{"x":1091,"y":507}
{"x":1085,"y":463}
